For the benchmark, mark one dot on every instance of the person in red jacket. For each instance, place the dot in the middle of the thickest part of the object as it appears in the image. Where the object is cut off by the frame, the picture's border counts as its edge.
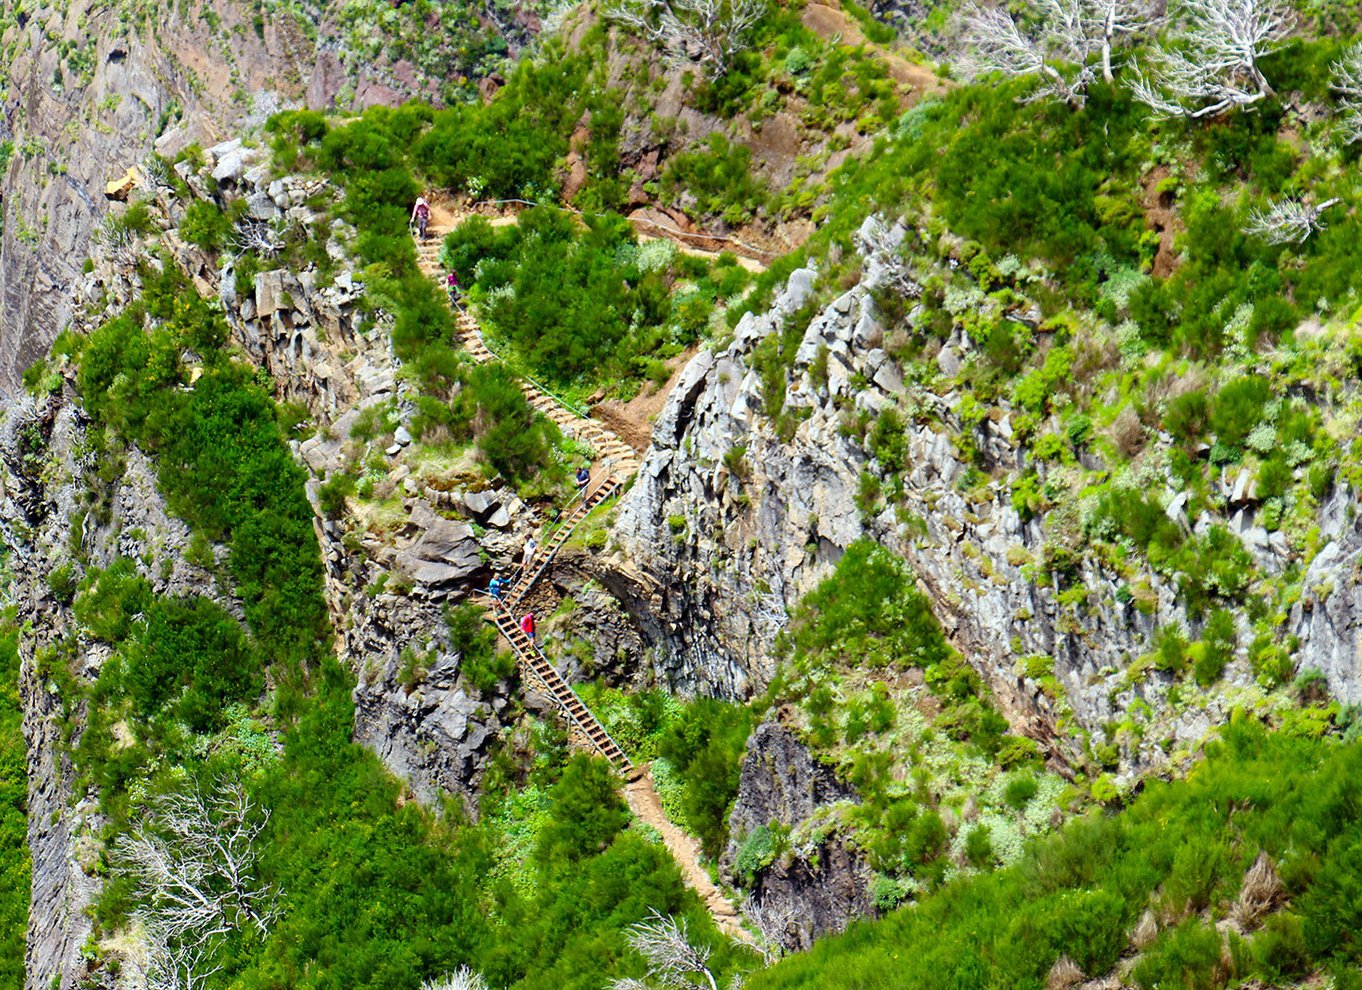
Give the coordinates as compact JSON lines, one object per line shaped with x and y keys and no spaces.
{"x":527,"y":625}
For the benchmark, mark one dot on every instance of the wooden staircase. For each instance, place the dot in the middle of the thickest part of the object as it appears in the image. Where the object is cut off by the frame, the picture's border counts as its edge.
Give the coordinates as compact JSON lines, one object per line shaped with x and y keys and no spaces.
{"x":619,"y":459}
{"x":543,"y":557}
{"x":619,"y":462}
{"x":534,"y":663}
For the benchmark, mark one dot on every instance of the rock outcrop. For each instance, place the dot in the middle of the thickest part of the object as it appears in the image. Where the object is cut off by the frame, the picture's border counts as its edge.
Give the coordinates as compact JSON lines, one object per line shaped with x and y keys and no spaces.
{"x":1328,"y":618}
{"x":822,"y":881}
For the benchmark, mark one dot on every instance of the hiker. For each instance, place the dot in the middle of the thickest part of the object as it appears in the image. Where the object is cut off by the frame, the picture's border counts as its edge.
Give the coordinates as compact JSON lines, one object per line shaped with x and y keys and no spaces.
{"x":420,"y":216}
{"x":495,"y":587}
{"x":452,"y":287}
{"x":583,"y":478}
{"x":527,"y":625}
{"x":531,"y":545}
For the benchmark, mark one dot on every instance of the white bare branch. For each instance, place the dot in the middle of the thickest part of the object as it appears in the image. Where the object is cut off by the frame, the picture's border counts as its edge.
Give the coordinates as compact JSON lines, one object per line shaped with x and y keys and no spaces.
{"x":1288,"y":221}
{"x":175,"y":967}
{"x":1058,"y":52}
{"x":774,"y":924}
{"x":664,"y":942}
{"x":461,"y":979}
{"x":193,"y":863}
{"x":1215,"y":68}
{"x":1347,"y":83}
{"x":708,"y":33}
{"x":1111,"y":20}
{"x":264,"y":237}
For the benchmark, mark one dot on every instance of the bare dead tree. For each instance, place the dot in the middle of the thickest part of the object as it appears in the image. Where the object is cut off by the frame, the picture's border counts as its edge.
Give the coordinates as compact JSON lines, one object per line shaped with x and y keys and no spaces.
{"x":773,"y":924}
{"x":1058,"y":52}
{"x":176,"y":967}
{"x":461,"y":979}
{"x":192,"y":861}
{"x":264,"y":237}
{"x":1215,"y":68}
{"x":673,"y":959}
{"x":708,"y":33}
{"x":1288,"y":221}
{"x":1347,"y":83}
{"x":1113,"y":19}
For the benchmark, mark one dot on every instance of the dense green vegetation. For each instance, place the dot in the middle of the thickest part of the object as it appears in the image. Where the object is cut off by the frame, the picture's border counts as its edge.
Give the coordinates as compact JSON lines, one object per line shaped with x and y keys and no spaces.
{"x":695,"y":749}
{"x":914,"y":746}
{"x":1176,"y":859}
{"x":583,"y":304}
{"x":14,"y":858}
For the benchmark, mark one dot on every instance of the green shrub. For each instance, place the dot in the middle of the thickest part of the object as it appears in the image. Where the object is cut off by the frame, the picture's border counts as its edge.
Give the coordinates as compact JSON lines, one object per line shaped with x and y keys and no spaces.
{"x":15,"y":866}
{"x":1216,"y":648}
{"x":1020,"y":789}
{"x":1187,"y":416}
{"x":1238,"y":409}
{"x":205,"y":226}
{"x":706,"y":746}
{"x":979,"y":847}
{"x":1331,"y":910}
{"x":192,"y":655}
{"x":333,"y":492}
{"x":757,"y":851}
{"x":62,"y":581}
{"x":111,"y":599}
{"x":719,"y":177}
{"x":587,"y":814}
{"x":1280,"y":953}
{"x":476,"y":642}
{"x":1187,"y":957}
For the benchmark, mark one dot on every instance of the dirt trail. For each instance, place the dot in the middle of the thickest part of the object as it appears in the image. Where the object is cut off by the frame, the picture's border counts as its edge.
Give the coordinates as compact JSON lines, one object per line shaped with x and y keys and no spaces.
{"x":647,"y":806}
{"x":826,"y":20}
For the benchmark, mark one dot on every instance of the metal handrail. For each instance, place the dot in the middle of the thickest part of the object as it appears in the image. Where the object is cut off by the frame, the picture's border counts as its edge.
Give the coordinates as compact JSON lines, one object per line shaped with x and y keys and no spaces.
{"x":581,"y":412}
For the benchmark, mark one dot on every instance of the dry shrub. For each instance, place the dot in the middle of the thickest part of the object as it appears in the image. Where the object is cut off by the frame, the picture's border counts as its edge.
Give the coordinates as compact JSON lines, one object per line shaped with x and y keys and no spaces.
{"x":1092,"y":356}
{"x":898,"y":343}
{"x":1172,"y":386}
{"x":1127,"y":432}
{"x":1145,"y":931}
{"x":1063,"y":975}
{"x":1261,"y":891}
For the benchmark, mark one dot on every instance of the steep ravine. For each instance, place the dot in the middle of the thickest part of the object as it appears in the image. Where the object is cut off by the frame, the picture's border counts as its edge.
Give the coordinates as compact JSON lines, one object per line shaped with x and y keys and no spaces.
{"x":712,"y":557}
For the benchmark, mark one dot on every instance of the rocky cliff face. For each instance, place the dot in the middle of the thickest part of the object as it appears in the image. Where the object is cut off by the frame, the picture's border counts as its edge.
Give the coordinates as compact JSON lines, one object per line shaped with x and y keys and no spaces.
{"x":388,"y":582}
{"x":1328,"y":618}
{"x":728,"y":525}
{"x":50,"y":511}
{"x":89,"y":88}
